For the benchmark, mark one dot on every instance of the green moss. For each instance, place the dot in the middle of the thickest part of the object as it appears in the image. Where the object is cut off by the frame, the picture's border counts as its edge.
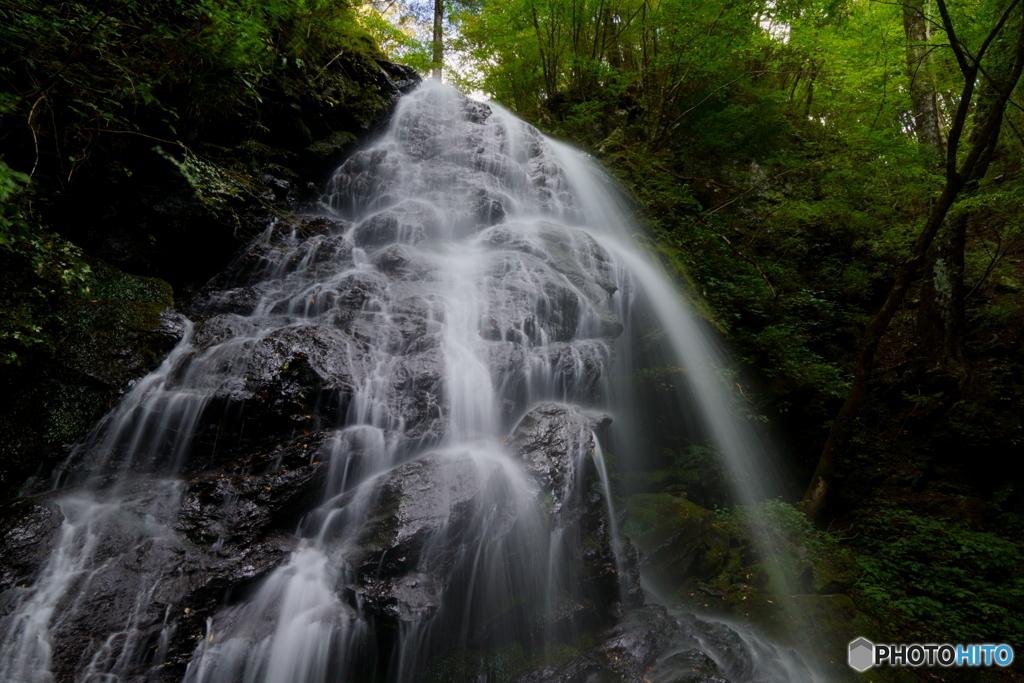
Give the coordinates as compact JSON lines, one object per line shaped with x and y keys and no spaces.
{"x":499,"y":664}
{"x":114,"y":341}
{"x":107,"y":283}
{"x":102,"y":344}
{"x":333,"y":145}
{"x":656,"y":518}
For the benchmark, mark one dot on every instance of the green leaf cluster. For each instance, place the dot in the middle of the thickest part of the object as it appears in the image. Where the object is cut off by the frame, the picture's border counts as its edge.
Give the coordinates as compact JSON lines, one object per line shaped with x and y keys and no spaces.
{"x":44,"y":267}
{"x":926,"y":576}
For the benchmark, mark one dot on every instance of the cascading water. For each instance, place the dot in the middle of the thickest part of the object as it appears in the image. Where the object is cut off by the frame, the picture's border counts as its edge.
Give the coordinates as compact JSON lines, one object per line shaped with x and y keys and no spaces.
{"x":376,"y":455}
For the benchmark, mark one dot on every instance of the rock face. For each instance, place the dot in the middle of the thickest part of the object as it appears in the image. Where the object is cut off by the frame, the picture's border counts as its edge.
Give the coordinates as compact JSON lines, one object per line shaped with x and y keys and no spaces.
{"x":171,"y":550}
{"x":373,"y":444}
{"x":28,"y":529}
{"x":653,"y":645}
{"x":401,"y":568}
{"x":554,"y":441}
{"x":114,"y":337}
{"x":311,"y":389}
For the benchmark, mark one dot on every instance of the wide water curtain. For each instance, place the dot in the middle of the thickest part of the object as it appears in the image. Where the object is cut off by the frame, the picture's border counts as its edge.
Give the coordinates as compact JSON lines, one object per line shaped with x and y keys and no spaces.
{"x":482,"y":300}
{"x":378,"y":452}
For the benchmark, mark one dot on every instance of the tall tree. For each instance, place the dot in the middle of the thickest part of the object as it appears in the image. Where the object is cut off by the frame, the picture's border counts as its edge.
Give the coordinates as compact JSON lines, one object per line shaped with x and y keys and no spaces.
{"x":920,"y":72}
{"x":940,"y":318}
{"x":438,"y":39}
{"x":963,"y":168}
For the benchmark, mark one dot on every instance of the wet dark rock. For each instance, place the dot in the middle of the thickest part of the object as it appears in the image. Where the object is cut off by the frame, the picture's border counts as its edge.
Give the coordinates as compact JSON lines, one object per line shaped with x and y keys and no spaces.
{"x":474,"y":111}
{"x":575,"y":368}
{"x":552,"y":441}
{"x":403,"y":78}
{"x":147,"y":579}
{"x":416,"y":500}
{"x":624,"y":653}
{"x":28,"y":528}
{"x":420,"y":403}
{"x":583,"y":669}
{"x":293,"y":374}
{"x":183,"y":545}
{"x":634,"y":643}
{"x":566,"y":248}
{"x":305,"y":373}
{"x":322,"y":225}
{"x":398,"y":224}
{"x":489,"y":210}
{"x":689,"y":666}
{"x":549,"y":268}
{"x":507,"y":364}
{"x":231,"y":508}
{"x":303,"y":247}
{"x":650,"y":645}
{"x":505,"y":237}
{"x":360,"y":175}
{"x":543,"y":674}
{"x":412,"y":597}
{"x":238,"y":301}
{"x":401,"y":568}
{"x":572,"y":370}
{"x":528,"y":301}
{"x":733,"y":655}
{"x":402,"y":261}
{"x":556,"y":444}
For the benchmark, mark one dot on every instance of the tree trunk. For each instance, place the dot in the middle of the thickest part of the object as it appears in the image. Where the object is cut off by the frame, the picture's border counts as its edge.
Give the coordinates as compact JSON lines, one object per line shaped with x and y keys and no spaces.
{"x":922,"y":78}
{"x":438,"y":40}
{"x":988,"y":117}
{"x":940,"y":318}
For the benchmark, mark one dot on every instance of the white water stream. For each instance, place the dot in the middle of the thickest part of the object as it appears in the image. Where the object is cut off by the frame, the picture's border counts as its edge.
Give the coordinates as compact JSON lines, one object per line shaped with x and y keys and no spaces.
{"x":513,"y":259}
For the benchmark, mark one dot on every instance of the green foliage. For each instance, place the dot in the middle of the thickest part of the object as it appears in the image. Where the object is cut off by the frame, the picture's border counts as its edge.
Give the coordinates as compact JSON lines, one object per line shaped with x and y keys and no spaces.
{"x":91,"y":70}
{"x":654,"y":518}
{"x":771,"y":150}
{"x":399,"y":31}
{"x":787,"y":530}
{"x":88,"y":89}
{"x":44,"y":267}
{"x":933,"y":579}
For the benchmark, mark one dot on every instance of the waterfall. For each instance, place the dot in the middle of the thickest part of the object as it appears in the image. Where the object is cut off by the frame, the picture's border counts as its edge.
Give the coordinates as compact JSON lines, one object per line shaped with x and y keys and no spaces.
{"x":379,"y":451}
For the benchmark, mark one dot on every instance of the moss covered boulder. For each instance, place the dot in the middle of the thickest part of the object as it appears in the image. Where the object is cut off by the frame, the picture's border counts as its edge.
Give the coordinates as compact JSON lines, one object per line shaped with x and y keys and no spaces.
{"x":678,"y":539}
{"x":119,"y":332}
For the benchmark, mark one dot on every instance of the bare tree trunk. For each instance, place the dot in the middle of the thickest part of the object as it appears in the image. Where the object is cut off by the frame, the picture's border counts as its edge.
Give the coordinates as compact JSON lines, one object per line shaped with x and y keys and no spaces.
{"x":940,"y":318}
{"x":922,"y":78}
{"x":438,"y":39}
{"x":983,"y":138}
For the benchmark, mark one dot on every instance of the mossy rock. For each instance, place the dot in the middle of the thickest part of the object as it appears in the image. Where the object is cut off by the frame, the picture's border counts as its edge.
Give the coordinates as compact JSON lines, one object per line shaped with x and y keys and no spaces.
{"x":657,"y":519}
{"x":115,"y":342}
{"x":108,"y":341}
{"x":107,"y":283}
{"x":500,"y":664}
{"x":675,"y":537}
{"x":835,"y":572}
{"x":333,"y":146}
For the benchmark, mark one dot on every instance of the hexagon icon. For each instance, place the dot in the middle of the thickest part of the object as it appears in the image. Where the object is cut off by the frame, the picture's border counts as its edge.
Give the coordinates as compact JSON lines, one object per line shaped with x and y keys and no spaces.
{"x":862,"y":654}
